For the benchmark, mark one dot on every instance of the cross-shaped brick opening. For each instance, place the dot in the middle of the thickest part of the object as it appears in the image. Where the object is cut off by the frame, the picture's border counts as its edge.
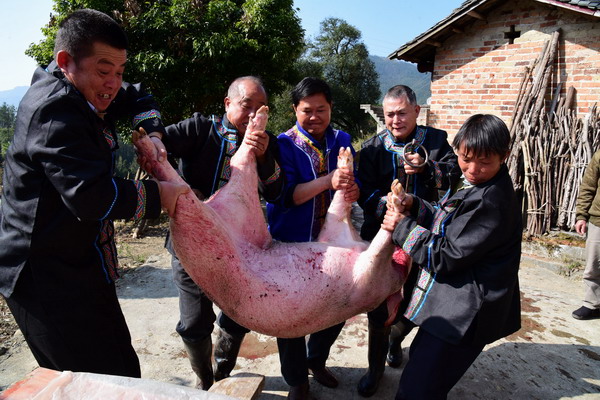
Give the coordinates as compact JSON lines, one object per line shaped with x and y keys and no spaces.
{"x":512,"y":35}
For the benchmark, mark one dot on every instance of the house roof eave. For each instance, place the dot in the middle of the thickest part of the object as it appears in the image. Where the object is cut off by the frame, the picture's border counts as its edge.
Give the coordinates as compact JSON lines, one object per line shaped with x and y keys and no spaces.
{"x":422,"y":49}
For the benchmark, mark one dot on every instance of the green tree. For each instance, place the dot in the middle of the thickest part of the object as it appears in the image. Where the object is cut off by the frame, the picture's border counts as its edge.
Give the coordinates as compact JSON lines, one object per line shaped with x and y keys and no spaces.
{"x":350,"y":73}
{"x":8,"y":115}
{"x":188,"y":51}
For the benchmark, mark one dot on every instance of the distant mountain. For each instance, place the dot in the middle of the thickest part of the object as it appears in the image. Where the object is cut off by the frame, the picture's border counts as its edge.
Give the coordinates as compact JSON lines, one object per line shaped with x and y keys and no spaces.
{"x":394,"y":72}
{"x":13,"y":97}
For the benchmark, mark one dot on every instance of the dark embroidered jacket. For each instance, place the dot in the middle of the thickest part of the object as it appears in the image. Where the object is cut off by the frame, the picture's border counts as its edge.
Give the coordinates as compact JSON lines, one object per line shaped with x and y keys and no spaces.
{"x":204,"y":147}
{"x":380,"y":163}
{"x":467,"y":250}
{"x":60,"y":194}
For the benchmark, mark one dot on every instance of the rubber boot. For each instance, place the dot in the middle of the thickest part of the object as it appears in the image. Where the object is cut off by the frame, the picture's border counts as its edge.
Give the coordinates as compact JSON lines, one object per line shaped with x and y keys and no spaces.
{"x":397,"y":335}
{"x":199,"y":354}
{"x":227,"y":349}
{"x":378,"y":348}
{"x":300,"y":392}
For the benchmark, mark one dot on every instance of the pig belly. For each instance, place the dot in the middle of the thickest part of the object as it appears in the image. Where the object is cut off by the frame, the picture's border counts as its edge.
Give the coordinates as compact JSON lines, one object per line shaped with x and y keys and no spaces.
{"x":280,"y":289}
{"x":289,"y":290}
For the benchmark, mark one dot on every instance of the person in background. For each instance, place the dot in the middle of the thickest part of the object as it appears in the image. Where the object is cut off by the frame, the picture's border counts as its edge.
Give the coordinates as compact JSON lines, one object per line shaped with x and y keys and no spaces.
{"x":309,"y":153}
{"x":204,"y":146}
{"x":381,"y":162}
{"x":58,"y":259}
{"x":588,"y":221}
{"x":466,"y":250}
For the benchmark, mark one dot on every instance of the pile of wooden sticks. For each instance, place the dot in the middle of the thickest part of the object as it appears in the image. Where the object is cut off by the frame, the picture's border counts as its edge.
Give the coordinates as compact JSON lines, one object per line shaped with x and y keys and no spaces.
{"x":550,"y":146}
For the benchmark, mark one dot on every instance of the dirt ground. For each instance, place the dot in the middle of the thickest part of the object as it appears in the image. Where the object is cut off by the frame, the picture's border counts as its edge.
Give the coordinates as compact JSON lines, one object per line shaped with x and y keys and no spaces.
{"x":553,"y":356}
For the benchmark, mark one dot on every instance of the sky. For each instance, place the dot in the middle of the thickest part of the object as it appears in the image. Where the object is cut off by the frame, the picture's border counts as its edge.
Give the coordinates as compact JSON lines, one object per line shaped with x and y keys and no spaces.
{"x":385,"y":26}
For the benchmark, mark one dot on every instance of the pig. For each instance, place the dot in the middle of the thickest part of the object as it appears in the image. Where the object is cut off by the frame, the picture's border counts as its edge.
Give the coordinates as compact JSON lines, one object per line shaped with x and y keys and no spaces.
{"x":285,"y":290}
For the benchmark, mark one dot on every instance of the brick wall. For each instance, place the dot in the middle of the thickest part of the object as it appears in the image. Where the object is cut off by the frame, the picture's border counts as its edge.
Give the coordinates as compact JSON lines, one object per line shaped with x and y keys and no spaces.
{"x":480,"y":72}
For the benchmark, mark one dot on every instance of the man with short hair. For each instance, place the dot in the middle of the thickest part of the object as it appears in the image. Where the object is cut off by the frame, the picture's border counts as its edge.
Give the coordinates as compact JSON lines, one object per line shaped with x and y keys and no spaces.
{"x":382,"y":159}
{"x":205,"y":146}
{"x":58,"y":259}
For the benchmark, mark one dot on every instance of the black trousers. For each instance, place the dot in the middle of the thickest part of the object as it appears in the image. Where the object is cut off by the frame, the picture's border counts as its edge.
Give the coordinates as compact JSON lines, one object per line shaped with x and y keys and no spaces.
{"x":296,"y":356}
{"x":196,"y":315}
{"x":434,"y":367}
{"x":74,"y":323}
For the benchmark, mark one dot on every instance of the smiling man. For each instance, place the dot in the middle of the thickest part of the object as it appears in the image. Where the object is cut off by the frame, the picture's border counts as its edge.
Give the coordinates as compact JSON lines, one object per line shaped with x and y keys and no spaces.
{"x":204,"y":146}
{"x":58,"y":259}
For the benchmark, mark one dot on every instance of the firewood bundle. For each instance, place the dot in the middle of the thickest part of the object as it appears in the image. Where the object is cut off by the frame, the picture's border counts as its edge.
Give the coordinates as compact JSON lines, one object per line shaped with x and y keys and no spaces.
{"x":549,"y":148}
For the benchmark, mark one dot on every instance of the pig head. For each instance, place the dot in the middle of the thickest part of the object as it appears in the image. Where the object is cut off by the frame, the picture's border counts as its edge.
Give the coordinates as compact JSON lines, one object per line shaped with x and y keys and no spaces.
{"x":280,"y":289}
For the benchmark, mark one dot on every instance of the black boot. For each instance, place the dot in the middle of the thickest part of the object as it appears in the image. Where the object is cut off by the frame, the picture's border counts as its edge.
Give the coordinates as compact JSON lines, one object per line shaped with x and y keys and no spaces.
{"x":378,"y":347}
{"x":199,"y":354}
{"x":300,"y":392}
{"x":226,"y":352}
{"x":397,"y":335}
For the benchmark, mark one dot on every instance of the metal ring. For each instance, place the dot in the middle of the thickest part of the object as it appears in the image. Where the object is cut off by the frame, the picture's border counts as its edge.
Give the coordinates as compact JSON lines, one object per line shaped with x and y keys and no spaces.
{"x":413,"y":147}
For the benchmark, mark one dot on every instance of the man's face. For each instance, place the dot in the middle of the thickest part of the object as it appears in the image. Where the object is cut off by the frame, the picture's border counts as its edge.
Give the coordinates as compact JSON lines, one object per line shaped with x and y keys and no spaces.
{"x":314,"y":114}
{"x":478,"y":169}
{"x":239,"y":109}
{"x":400,"y":116}
{"x":99,"y":76}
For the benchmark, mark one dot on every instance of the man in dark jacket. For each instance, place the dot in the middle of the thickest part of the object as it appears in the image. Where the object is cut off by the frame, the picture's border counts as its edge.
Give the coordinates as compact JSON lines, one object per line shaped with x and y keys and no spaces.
{"x":204,"y":146}
{"x":58,"y":258}
{"x":382,"y":159}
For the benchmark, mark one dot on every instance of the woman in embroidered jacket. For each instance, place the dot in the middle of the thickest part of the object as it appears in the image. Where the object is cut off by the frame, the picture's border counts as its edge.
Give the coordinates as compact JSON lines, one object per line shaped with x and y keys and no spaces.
{"x":309,"y":153}
{"x":467,"y":249}
{"x":58,"y":259}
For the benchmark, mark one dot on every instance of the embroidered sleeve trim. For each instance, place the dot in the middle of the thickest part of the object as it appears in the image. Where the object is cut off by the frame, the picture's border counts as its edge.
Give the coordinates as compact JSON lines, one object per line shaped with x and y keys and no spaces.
{"x":273,"y":177}
{"x":145,"y":116}
{"x":140,"y":210}
{"x":412,"y":238}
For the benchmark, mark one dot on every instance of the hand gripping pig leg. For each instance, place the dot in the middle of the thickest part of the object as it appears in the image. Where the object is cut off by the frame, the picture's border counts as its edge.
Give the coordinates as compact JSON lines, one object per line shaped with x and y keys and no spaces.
{"x":237,"y":202}
{"x":338,"y":229}
{"x":400,"y":260}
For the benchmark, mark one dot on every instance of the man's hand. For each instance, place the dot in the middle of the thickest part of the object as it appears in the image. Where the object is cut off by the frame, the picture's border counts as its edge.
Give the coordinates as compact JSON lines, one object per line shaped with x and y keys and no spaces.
{"x":341,"y":179}
{"x":169,"y":193}
{"x":159,"y":155}
{"x":258,"y":141}
{"x":581,"y":226}
{"x":391,"y":219}
{"x":351,"y":193}
{"x":398,"y":204}
{"x":415,"y":159}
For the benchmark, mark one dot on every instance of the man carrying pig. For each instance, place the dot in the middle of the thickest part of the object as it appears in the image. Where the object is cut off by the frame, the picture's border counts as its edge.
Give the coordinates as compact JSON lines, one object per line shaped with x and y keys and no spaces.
{"x":309,"y":154}
{"x":380,"y":162}
{"x":58,"y":259}
{"x":204,"y":146}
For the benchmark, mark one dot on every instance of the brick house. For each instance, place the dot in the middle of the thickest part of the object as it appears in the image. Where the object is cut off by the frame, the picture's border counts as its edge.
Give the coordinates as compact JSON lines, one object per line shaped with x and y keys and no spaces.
{"x":478,"y":55}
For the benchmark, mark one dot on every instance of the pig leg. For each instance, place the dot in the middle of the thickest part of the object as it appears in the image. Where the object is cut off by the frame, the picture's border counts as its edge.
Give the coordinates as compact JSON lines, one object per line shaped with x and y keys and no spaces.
{"x":338,"y":229}
{"x":238,"y":202}
{"x":401,"y":262}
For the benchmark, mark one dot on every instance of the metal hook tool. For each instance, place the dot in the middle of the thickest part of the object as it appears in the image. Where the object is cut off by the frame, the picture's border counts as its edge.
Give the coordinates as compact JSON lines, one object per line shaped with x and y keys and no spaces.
{"x":411,"y":148}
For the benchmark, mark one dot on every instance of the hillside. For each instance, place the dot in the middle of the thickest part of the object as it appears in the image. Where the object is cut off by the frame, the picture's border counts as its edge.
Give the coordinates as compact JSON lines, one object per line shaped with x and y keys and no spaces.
{"x":12,"y":97}
{"x":393,"y":72}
